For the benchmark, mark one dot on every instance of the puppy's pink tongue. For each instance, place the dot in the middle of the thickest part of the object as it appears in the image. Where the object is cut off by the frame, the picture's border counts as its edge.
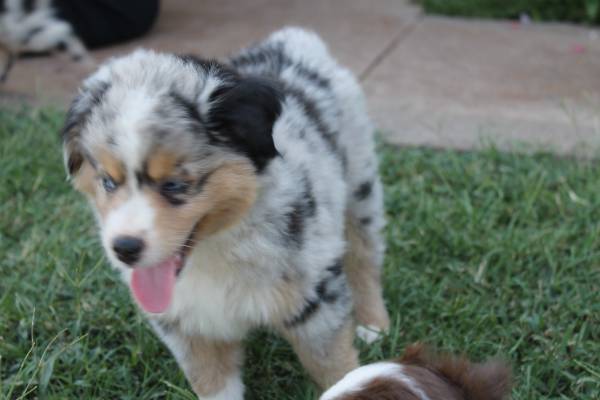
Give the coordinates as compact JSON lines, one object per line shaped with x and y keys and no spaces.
{"x":152,"y":287}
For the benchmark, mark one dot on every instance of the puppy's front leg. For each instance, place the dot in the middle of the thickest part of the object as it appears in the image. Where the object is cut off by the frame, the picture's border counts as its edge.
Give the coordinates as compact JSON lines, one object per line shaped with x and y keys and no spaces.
{"x":211,"y":366}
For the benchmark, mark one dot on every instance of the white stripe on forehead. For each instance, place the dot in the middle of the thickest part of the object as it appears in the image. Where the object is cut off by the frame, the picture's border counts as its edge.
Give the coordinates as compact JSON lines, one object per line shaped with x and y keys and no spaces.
{"x":131,"y":121}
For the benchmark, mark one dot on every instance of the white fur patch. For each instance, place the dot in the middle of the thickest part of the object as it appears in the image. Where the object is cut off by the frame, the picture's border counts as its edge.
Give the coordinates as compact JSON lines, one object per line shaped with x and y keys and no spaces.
{"x":358,"y":379}
{"x":412,"y":385}
{"x":210,"y":85}
{"x":131,"y":127}
{"x":133,"y":218}
{"x":369,"y":333}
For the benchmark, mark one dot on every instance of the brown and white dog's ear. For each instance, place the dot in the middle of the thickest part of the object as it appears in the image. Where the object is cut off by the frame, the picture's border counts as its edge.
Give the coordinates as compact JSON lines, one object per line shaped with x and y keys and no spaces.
{"x":490,"y":380}
{"x":242,"y":114}
{"x":90,"y":96}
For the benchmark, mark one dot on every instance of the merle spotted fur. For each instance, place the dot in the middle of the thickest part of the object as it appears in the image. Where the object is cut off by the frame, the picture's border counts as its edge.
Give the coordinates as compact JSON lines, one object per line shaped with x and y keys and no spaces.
{"x":300,"y":119}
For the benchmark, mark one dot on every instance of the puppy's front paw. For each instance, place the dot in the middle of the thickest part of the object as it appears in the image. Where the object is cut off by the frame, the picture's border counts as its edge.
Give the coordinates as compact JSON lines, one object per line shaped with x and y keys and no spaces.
{"x":233,"y":390}
{"x":369,"y":333}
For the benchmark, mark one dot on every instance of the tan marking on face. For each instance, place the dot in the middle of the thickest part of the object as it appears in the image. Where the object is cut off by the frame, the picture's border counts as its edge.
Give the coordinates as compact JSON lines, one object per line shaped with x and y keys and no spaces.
{"x":226,"y":196}
{"x":111,"y":165}
{"x":87,"y":182}
{"x":85,"y":179}
{"x":232,"y":190}
{"x":161,"y":165}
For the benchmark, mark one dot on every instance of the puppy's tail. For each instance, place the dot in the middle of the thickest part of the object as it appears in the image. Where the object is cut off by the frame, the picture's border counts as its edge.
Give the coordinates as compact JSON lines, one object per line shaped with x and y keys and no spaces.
{"x":490,"y":380}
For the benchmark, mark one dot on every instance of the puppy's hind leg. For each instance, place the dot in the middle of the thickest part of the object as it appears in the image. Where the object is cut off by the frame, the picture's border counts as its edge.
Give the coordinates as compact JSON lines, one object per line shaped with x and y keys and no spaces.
{"x":362,"y":264}
{"x":322,"y":331}
{"x":327,"y":359}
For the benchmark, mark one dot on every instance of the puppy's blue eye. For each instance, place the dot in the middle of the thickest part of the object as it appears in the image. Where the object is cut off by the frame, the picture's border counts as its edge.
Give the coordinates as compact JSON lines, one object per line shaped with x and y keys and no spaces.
{"x":173,"y":187}
{"x":109,"y":184}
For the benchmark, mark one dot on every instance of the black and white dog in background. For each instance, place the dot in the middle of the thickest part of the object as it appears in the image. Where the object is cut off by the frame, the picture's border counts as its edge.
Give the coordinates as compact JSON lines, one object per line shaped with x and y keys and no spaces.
{"x":237,"y":195}
{"x":32,"y":26}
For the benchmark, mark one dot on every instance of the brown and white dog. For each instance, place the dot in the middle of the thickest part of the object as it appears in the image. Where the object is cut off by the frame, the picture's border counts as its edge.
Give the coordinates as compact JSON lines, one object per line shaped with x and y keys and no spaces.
{"x":420,"y":375}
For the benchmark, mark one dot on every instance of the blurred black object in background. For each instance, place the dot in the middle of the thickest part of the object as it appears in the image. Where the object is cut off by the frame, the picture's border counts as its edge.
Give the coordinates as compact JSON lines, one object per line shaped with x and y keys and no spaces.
{"x":102,"y":22}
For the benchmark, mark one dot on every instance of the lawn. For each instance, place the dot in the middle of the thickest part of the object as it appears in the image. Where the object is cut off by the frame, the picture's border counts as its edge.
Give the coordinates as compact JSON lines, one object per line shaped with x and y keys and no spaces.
{"x":489,"y":254}
{"x":587,"y":11}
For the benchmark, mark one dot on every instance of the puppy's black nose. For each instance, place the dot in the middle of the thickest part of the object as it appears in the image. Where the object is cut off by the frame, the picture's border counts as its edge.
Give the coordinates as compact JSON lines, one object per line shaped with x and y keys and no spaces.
{"x":128,"y":248}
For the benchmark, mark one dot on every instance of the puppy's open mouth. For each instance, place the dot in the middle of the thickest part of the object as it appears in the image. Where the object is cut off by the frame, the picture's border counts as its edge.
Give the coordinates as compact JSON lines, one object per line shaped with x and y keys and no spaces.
{"x":152,"y":285}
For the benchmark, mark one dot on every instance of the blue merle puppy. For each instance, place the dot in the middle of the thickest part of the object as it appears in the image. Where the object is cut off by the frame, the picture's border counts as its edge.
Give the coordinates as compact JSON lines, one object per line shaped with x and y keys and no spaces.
{"x":237,"y":195}
{"x":32,"y":26}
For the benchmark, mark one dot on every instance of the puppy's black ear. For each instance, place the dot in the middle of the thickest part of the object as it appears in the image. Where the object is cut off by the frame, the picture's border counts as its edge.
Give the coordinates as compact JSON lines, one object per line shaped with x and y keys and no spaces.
{"x":241,"y":115}
{"x":81,"y":108}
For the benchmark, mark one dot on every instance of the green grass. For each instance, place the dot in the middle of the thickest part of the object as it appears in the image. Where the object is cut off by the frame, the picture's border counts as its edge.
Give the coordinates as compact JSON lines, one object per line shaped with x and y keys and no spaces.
{"x":541,"y":10}
{"x":489,"y":254}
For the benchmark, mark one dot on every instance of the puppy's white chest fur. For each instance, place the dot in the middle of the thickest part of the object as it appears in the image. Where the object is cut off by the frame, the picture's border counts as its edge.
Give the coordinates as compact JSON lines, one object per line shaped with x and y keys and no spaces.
{"x":205,"y":298}
{"x":221,"y":295}
{"x":204,"y":303}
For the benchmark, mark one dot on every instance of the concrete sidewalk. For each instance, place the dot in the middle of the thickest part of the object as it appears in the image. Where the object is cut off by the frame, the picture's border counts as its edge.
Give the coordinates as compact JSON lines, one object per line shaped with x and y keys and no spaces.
{"x":457,"y":83}
{"x":430,"y":81}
